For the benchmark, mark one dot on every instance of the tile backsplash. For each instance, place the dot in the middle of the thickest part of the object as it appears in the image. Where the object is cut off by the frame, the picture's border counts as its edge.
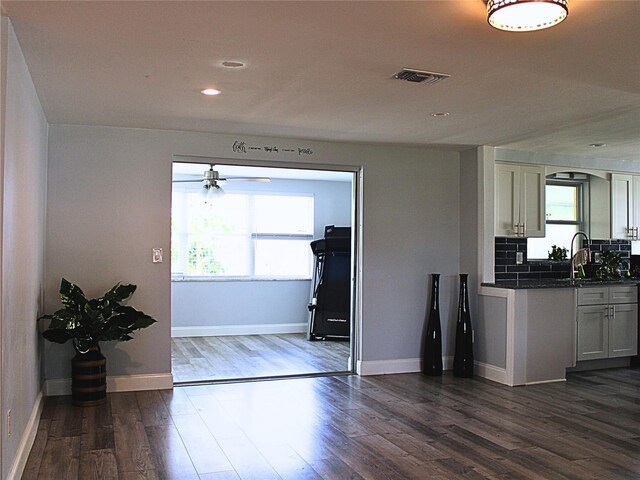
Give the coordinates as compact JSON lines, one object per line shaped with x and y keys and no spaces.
{"x":506,"y":269}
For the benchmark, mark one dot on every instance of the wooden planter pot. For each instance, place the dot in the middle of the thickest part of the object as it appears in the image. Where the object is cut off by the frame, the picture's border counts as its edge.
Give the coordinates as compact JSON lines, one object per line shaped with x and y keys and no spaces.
{"x":89,"y":378}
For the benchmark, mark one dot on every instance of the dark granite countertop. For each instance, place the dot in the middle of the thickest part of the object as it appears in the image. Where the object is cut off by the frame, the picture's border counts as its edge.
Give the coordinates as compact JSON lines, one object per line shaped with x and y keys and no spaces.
{"x":560,"y":283}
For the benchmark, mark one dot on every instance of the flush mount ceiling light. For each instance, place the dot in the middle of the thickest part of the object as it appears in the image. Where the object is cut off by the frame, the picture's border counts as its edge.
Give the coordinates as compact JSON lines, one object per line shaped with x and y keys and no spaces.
{"x":210,"y":91}
{"x":526,"y":15}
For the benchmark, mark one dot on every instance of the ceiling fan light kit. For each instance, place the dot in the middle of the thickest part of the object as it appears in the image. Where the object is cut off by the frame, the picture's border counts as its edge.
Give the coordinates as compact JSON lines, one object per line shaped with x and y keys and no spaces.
{"x":211,"y":190}
{"x":526,"y":15}
{"x":213,"y":176}
{"x":211,"y":179}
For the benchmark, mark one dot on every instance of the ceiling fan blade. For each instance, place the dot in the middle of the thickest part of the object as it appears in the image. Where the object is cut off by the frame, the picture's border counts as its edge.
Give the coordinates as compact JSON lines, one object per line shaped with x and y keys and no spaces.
{"x":245,"y":179}
{"x":185,"y":181}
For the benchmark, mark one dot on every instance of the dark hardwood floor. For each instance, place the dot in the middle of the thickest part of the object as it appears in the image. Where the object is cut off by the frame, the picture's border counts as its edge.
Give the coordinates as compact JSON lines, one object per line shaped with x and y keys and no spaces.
{"x":250,"y":356}
{"x":349,"y":427}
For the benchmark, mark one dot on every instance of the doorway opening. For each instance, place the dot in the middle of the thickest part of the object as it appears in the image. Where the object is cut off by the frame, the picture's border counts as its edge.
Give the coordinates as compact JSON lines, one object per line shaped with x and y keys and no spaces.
{"x":245,"y":276}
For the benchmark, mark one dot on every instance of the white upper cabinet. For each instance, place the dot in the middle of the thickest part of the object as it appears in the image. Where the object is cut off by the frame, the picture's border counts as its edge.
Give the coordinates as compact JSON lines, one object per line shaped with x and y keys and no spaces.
{"x":625,"y":206}
{"x":519,"y":200}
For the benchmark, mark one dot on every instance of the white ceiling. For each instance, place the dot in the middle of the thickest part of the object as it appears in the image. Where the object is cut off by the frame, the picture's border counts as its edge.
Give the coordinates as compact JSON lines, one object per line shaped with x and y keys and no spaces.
{"x":323,"y":70}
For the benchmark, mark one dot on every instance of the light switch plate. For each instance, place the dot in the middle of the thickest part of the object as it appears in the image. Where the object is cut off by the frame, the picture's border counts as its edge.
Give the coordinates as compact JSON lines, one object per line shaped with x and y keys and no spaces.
{"x":157,"y":255}
{"x":519,"y":258}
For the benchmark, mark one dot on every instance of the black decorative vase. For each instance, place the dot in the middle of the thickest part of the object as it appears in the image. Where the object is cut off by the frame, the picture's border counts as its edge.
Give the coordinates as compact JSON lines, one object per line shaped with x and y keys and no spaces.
{"x":432,"y":348}
{"x":463,"y":357}
{"x":89,"y":378}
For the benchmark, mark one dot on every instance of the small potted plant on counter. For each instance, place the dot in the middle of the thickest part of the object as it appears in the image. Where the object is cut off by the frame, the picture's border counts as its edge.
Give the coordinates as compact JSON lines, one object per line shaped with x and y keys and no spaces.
{"x":87,"y":323}
{"x":557,"y":253}
{"x":612,"y":266}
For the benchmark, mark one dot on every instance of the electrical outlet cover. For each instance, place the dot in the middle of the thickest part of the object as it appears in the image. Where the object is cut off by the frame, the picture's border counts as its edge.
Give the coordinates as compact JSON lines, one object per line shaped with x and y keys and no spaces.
{"x":519,"y":258}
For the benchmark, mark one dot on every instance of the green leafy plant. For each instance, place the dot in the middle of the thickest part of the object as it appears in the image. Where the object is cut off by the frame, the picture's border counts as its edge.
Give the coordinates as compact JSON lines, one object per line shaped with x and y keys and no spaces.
{"x":557,"y":253}
{"x":88,"y":322}
{"x":612,"y":266}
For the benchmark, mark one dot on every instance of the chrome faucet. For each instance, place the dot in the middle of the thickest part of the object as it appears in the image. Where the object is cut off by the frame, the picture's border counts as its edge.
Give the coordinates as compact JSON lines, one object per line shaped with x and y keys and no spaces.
{"x":581,"y":257}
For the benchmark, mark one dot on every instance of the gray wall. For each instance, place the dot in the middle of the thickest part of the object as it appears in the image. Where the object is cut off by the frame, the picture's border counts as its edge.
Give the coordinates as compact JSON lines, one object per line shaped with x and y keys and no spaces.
{"x":261,"y":302}
{"x":238,"y":303}
{"x":109,"y":204}
{"x":469,"y":228}
{"x":24,"y":154}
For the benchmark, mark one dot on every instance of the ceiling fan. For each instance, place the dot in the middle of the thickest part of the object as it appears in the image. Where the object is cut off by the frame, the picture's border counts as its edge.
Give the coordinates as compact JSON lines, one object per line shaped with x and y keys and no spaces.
{"x":211,"y":182}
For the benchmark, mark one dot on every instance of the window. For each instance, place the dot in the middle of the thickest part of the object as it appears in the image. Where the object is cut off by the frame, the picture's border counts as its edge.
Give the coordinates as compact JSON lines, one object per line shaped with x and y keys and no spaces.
{"x":242,"y":235}
{"x":563,"y":218}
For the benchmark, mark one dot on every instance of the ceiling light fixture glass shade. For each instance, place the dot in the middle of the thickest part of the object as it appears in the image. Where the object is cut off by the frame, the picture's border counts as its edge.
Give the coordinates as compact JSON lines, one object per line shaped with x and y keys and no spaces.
{"x":211,"y":190}
{"x":526,"y":15}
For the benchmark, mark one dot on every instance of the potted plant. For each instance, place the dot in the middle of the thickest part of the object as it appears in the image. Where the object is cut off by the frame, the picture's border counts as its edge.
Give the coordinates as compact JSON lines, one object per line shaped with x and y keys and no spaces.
{"x":612,"y":266}
{"x":87,"y":323}
{"x":557,"y":253}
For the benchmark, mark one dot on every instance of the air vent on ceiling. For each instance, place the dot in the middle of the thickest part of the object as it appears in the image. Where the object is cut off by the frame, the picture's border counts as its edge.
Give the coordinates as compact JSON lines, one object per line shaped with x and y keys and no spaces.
{"x":420,"y":76}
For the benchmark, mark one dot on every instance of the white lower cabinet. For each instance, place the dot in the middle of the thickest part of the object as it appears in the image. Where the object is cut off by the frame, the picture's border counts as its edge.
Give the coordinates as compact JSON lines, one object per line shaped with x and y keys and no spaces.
{"x":623,"y":331}
{"x":607,"y":322}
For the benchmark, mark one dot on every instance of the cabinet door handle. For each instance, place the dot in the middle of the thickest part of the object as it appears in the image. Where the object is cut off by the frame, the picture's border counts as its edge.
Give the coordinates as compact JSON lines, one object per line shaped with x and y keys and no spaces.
{"x":519,"y":228}
{"x":613,"y":312}
{"x":607,"y":310}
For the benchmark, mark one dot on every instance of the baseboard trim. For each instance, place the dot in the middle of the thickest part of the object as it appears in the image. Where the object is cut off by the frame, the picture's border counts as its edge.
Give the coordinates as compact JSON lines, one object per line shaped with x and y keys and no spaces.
{"x":491,"y":372}
{"x":121,"y":383}
{"x":540,"y":382}
{"x":223,"y":330}
{"x":387,"y":367}
{"x":401,"y":365}
{"x":26,"y":442}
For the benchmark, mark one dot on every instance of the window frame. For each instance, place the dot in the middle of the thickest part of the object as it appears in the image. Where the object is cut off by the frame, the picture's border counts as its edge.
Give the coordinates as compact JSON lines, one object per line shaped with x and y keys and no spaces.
{"x":582,"y":196}
{"x":253,"y":237}
{"x":579,"y":185}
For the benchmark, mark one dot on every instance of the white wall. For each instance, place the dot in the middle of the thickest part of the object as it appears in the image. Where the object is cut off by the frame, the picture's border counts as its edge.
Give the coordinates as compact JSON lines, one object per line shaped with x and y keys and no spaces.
{"x":259,"y":306}
{"x":24,"y":150}
{"x":109,"y":204}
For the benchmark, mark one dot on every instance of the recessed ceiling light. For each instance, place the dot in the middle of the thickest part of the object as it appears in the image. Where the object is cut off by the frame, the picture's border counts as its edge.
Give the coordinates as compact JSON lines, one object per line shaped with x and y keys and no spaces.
{"x":210,"y":91}
{"x":440,"y":114}
{"x":232,"y":64}
{"x":597,"y":145}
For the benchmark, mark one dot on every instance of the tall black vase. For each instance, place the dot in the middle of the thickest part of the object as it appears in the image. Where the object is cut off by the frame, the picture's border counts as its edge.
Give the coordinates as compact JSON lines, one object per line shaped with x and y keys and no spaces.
{"x":432,"y":348}
{"x":463,"y":357}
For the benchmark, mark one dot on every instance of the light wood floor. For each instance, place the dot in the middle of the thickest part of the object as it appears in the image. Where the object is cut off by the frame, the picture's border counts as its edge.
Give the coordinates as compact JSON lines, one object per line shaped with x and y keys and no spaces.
{"x":349,"y":427}
{"x":250,"y":356}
